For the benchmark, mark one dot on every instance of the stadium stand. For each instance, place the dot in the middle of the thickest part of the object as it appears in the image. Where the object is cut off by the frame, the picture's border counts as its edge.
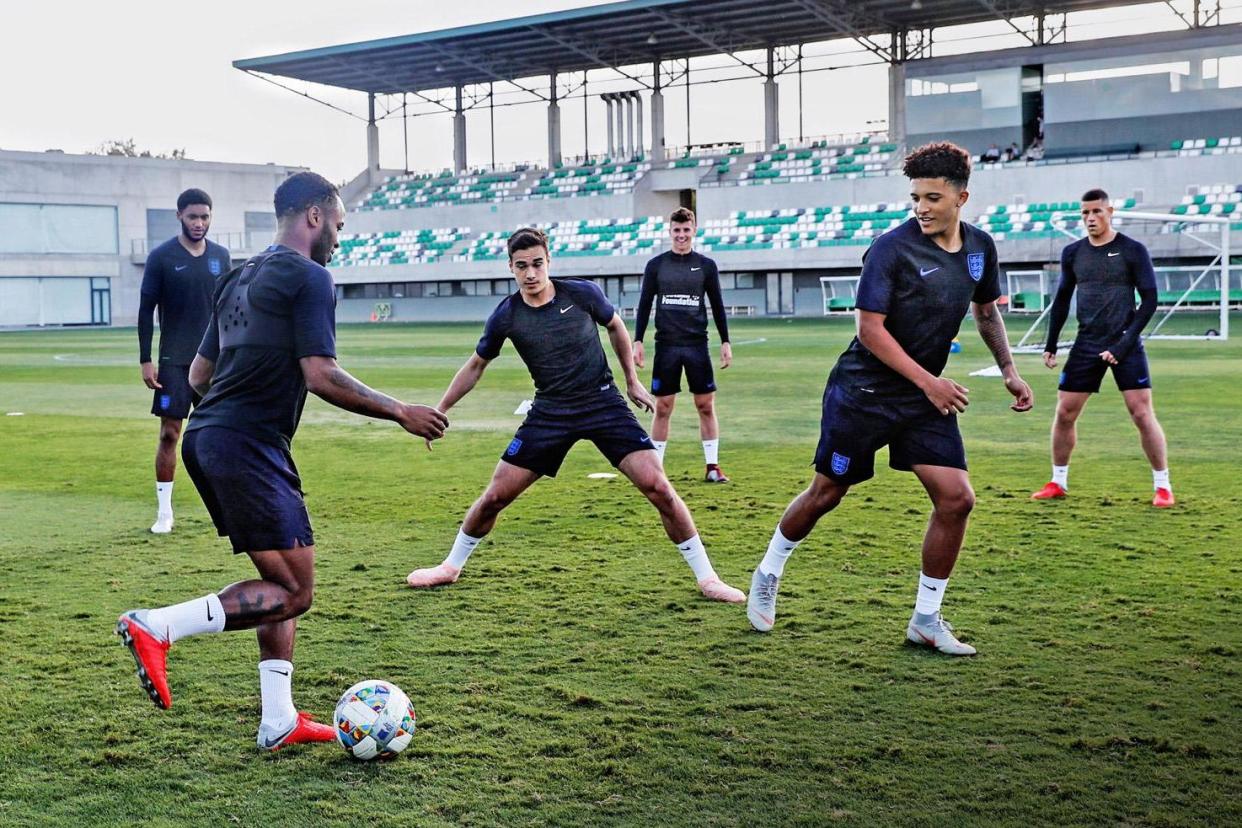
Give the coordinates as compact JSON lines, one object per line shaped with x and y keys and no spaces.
{"x":397,"y":247}
{"x":400,"y":192}
{"x":605,"y":178}
{"x":1213,"y":200}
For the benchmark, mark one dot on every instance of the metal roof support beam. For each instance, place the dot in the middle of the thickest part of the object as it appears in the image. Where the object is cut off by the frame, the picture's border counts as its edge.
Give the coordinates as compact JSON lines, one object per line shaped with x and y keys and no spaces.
{"x":554,"y":125}
{"x":638,"y":105}
{"x":1005,"y":13}
{"x":590,"y":54}
{"x":373,"y":159}
{"x":839,"y":16}
{"x":771,"y":104}
{"x":607,"y":99}
{"x":657,"y":118}
{"x":459,"y":135}
{"x":718,"y":39}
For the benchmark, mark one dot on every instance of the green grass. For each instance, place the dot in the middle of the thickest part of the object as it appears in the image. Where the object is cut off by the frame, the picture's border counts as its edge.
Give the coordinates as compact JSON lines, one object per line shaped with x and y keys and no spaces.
{"x":573,"y":676}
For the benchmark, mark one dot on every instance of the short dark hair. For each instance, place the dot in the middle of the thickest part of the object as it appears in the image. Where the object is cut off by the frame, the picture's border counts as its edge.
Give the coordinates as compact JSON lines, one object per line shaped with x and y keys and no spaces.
{"x":1095,"y":194}
{"x":192,"y":196}
{"x":682,"y":215}
{"x":939,"y":160}
{"x":301,"y":191}
{"x":526,"y":238}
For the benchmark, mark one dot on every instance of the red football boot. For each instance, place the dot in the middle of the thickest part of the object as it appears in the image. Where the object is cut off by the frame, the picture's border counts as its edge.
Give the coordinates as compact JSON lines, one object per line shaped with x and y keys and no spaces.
{"x":305,"y":729}
{"x":1163,"y":499}
{"x":1049,"y":491}
{"x":715,"y":474}
{"x":150,"y":652}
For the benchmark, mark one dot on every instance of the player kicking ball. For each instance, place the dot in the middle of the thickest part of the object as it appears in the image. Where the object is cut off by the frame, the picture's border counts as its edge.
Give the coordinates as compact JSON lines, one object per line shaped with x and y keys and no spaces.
{"x":918,"y":281}
{"x":271,"y":337}
{"x":553,"y":324}
{"x":1107,"y":267}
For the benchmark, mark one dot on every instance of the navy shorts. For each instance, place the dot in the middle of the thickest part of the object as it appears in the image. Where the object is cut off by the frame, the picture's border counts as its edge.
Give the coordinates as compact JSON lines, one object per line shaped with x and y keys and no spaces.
{"x":251,"y":489}
{"x":1084,"y":371}
{"x":543,"y":440}
{"x":854,"y":428}
{"x":668,"y":364}
{"x":176,"y":398}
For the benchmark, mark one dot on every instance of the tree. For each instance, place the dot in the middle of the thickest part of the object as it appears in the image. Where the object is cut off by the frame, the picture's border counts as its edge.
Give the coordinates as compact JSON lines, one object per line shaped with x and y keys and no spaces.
{"x":127,"y":148}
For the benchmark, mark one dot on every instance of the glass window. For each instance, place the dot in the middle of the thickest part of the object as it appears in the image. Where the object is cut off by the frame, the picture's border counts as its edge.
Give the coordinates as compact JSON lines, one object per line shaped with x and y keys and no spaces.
{"x":728,"y":281}
{"x":502,"y":287}
{"x":631,"y":284}
{"x":745,"y":280}
{"x":354,"y":291}
{"x":58,"y":228}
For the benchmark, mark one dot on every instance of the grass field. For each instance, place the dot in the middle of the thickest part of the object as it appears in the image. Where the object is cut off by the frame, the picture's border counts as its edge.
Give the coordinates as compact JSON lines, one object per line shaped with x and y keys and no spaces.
{"x":573,"y":676}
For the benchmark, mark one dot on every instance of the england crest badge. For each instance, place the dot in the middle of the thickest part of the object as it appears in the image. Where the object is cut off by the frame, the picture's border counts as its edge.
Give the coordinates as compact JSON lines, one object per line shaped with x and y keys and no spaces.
{"x":214,"y":266}
{"x":974,"y":263}
{"x":840,"y":463}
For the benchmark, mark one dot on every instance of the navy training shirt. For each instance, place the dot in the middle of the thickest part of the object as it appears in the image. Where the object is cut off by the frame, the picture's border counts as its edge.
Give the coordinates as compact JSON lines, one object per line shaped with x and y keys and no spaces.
{"x":678,"y":284}
{"x":924,"y":292}
{"x":279,"y":307}
{"x":559,"y":342}
{"x":1106,"y":277}
{"x":181,"y":285}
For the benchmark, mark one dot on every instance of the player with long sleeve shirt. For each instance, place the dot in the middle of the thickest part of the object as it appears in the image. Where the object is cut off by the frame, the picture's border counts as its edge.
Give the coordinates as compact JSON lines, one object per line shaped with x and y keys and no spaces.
{"x":554,"y":325}
{"x":1106,"y":268}
{"x":679,"y":282}
{"x":271,"y":339}
{"x":178,"y":280}
{"x":918,"y":281}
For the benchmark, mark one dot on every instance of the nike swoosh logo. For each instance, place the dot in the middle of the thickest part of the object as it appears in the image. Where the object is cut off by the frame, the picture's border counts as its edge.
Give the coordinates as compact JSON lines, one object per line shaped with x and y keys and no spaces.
{"x":209,"y":612}
{"x":1144,"y":379}
{"x":923,"y":272}
{"x":180,"y":267}
{"x":565,"y":309}
{"x":648,"y":439}
{"x":868,"y":390}
{"x":931,"y":641}
{"x":932,"y":588}
{"x":695,"y":268}
{"x":1118,"y":253}
{"x":268,"y":744}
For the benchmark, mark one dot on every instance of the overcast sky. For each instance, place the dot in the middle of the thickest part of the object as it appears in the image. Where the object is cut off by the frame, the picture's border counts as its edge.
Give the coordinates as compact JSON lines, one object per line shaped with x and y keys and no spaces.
{"x":76,"y":74}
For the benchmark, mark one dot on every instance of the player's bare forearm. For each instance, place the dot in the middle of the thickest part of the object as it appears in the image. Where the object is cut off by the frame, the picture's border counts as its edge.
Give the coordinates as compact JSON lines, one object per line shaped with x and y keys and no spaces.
{"x":201,"y":371}
{"x":621,"y":346}
{"x":332,"y":383}
{"x":877,"y":339}
{"x":991,"y":327}
{"x":464,"y":380}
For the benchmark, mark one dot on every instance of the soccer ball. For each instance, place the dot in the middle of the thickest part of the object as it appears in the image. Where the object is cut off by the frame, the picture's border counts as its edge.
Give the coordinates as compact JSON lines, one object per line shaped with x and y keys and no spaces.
{"x":374,"y":720}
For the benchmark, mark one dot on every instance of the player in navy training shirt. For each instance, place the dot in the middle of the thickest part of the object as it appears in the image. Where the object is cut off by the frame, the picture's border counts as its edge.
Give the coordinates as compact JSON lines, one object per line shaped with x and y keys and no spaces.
{"x":677,"y":282}
{"x":554,"y":325}
{"x":1107,"y":268}
{"x":271,"y":338}
{"x":918,"y":281}
{"x":178,"y":280}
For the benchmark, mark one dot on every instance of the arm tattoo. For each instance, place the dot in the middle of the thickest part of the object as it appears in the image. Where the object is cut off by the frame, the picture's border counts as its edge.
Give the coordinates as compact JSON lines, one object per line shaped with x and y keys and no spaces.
{"x":358,"y":397}
{"x":992,"y":330}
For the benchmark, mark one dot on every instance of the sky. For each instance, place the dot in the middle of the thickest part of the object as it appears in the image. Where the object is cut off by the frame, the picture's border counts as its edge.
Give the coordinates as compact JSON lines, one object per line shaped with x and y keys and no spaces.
{"x":80,"y":73}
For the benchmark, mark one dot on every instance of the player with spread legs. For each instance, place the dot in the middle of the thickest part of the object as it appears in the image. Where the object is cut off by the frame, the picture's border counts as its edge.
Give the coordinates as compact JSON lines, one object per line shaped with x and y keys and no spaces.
{"x":678,"y":281}
{"x":553,"y":324}
{"x":178,"y":281}
{"x":1107,"y":268}
{"x":271,"y":337}
{"x":918,"y":281}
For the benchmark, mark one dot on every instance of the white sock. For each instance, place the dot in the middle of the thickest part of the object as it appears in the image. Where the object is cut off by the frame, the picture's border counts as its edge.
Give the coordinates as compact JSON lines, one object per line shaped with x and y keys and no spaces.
{"x":1160,"y":479}
{"x":163,"y":493}
{"x":201,"y":615}
{"x":659,"y":447}
{"x":276,"y":687}
{"x":931,"y":593}
{"x":1060,"y":476}
{"x":694,"y":553}
{"x":711,"y":451}
{"x":462,"y":547}
{"x":779,"y":550}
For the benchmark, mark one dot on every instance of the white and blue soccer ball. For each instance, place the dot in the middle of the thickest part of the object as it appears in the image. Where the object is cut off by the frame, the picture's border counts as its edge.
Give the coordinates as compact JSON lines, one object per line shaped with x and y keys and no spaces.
{"x":374,"y":720}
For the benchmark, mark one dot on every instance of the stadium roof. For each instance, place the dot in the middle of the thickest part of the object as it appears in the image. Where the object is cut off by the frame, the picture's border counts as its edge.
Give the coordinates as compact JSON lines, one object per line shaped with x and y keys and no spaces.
{"x":628,"y":33}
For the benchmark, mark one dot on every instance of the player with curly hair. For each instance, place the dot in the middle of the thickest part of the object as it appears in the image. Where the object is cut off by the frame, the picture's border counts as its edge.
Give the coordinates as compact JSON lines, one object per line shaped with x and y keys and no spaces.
{"x":918,"y":280}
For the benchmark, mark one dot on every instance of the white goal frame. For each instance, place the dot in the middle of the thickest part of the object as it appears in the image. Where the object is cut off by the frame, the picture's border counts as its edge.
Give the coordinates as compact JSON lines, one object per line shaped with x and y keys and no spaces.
{"x":1219,"y":262}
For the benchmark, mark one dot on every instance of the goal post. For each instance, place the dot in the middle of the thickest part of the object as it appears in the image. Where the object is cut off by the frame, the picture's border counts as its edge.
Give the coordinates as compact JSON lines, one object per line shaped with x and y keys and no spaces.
{"x":1219,"y":266}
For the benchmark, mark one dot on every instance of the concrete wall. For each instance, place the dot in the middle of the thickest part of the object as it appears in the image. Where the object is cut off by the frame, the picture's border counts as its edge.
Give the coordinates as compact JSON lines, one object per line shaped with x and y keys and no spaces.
{"x":132,"y":185}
